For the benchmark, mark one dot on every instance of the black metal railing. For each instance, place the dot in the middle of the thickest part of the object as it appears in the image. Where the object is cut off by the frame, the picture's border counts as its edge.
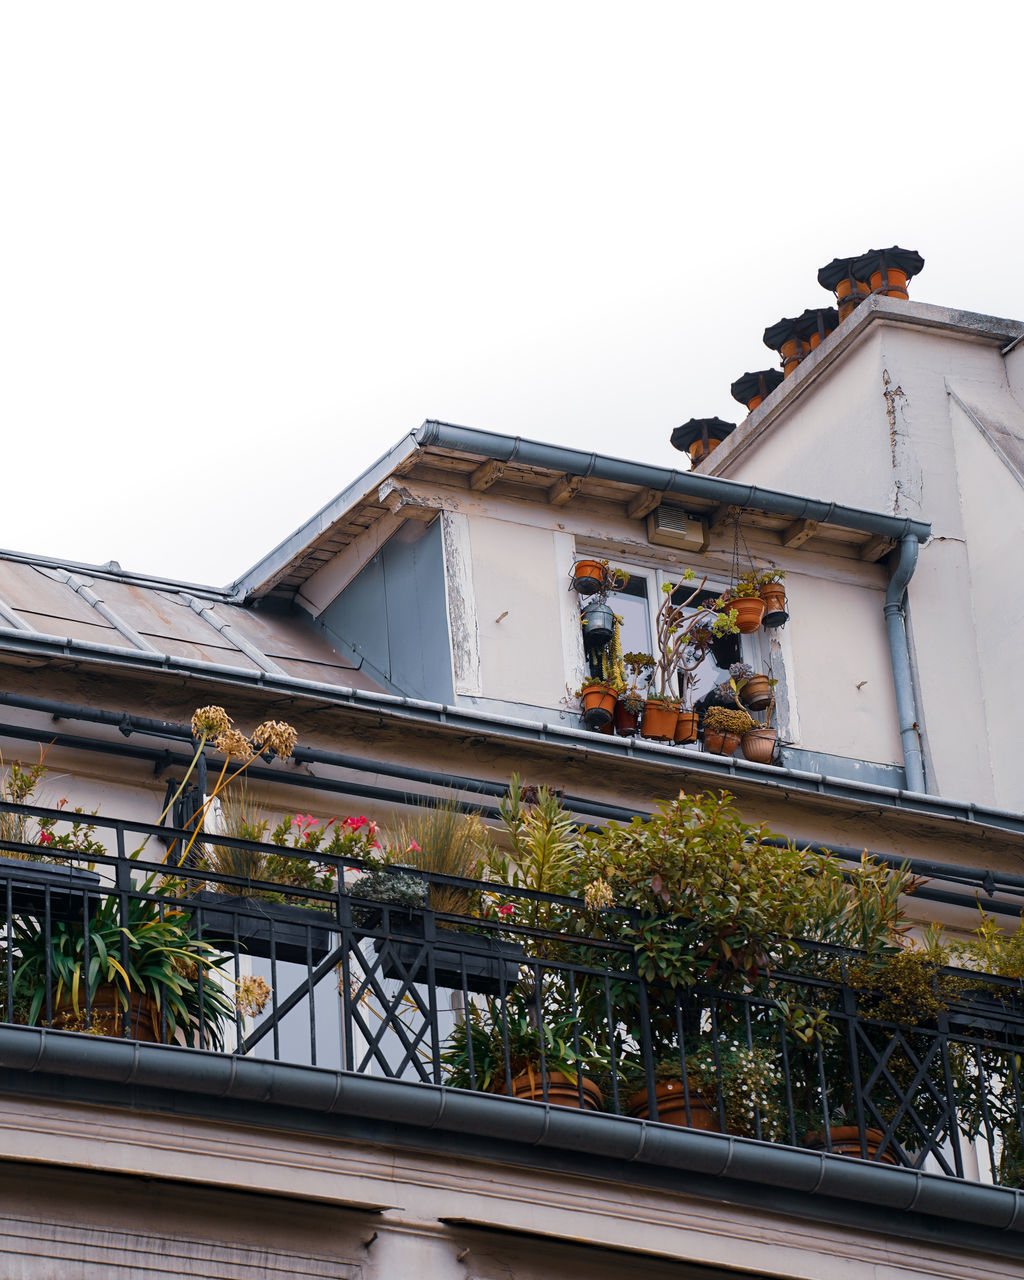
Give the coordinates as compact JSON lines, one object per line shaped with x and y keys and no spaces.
{"x":525,"y":993}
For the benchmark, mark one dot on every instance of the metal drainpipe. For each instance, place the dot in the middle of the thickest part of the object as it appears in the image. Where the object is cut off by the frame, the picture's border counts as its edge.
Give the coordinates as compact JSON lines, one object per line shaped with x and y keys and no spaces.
{"x":899,"y":651}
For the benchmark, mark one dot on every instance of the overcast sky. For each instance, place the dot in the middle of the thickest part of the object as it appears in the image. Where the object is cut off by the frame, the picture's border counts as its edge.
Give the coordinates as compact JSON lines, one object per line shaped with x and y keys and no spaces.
{"x":247,"y":247}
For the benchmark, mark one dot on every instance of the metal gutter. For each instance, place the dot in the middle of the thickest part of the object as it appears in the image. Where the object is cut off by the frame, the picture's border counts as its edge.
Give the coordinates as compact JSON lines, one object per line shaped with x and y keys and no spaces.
{"x":823,"y":1183}
{"x":533,"y":453}
{"x":983,"y":881}
{"x":722,"y":769}
{"x":899,"y":653}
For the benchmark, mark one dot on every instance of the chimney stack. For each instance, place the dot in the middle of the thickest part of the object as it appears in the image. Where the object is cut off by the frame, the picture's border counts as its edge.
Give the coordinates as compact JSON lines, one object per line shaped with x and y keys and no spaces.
{"x":752,"y":388}
{"x":699,"y":436}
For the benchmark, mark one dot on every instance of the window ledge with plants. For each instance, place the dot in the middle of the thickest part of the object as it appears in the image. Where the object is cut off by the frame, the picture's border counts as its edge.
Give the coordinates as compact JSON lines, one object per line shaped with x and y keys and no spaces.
{"x":651,"y":696}
{"x":689,"y":968}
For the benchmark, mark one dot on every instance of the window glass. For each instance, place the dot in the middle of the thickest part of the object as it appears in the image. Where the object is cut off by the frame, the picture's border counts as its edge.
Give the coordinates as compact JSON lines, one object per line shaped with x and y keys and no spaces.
{"x":724,"y":651}
{"x":633,"y":607}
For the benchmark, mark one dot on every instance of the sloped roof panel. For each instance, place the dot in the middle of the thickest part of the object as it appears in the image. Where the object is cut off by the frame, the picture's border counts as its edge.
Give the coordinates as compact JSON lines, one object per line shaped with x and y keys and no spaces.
{"x":109,"y":608}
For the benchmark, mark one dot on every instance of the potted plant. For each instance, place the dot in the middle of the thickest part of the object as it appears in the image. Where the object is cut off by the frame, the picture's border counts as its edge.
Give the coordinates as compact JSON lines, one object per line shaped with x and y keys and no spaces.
{"x":598,"y":698}
{"x":503,"y":1049}
{"x":682,"y":629}
{"x":244,"y":905}
{"x":744,"y":601}
{"x":597,"y":577}
{"x":639,"y":667}
{"x":46,"y":868}
{"x":724,"y":727}
{"x":753,"y":688}
{"x":413,"y":875}
{"x":715,"y":1079}
{"x":772,"y":592}
{"x":135,"y":965}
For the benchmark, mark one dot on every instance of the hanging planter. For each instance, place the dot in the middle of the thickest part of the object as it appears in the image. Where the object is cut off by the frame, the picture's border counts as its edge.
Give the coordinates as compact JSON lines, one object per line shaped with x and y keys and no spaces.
{"x":721,"y":744}
{"x":598,"y":622}
{"x":598,"y":699}
{"x":749,"y":612}
{"x":589,"y":577}
{"x":686,"y":728}
{"x":774,"y":596}
{"x":759,"y":745}
{"x":660,"y":719}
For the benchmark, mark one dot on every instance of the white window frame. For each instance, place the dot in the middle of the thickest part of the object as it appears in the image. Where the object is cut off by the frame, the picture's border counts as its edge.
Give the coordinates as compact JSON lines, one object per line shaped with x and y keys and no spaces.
{"x":761,"y":650}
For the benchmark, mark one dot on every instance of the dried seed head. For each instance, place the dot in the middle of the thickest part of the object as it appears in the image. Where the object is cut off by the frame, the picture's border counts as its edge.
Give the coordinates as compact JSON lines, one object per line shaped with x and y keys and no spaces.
{"x":210,"y":721}
{"x":252,"y":994}
{"x":235,"y":745}
{"x":277,"y":735}
{"x":598,"y":894}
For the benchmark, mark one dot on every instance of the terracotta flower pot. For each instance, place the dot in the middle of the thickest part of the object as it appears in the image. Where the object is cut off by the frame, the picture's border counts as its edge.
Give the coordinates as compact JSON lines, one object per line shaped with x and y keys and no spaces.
{"x":108,"y":1016}
{"x":660,"y":719}
{"x":756,"y":693}
{"x":721,"y":744}
{"x":563,"y":1091}
{"x":671,"y":1099}
{"x":759,"y":745}
{"x":774,"y":596}
{"x":627,"y":723}
{"x":845,"y":1141}
{"x":686,"y":728}
{"x":749,"y":612}
{"x":588,"y":576}
{"x":598,"y":705}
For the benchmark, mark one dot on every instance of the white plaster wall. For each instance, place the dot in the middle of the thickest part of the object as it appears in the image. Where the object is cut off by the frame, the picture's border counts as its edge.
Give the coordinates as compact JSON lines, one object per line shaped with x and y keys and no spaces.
{"x":841,"y":673}
{"x":1014,"y":363}
{"x":833,"y":442}
{"x":519,"y":578}
{"x":993,"y":507}
{"x":916,"y":454}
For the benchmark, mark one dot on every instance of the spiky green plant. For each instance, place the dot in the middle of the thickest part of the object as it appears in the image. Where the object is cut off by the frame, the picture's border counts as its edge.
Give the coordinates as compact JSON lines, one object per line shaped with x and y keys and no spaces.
{"x":441,"y":839}
{"x":163,"y":962}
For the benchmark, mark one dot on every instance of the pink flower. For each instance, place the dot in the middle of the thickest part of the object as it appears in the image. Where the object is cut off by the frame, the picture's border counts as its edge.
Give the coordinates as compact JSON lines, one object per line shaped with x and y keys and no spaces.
{"x":506,"y":909}
{"x":354,"y":824}
{"x":45,"y":837}
{"x":413,"y":847}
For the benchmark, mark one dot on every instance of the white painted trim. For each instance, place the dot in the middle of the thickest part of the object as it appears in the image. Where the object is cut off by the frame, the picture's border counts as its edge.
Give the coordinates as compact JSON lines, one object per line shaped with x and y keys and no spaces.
{"x":574,"y":661}
{"x":460,"y":601}
{"x":318,"y":591}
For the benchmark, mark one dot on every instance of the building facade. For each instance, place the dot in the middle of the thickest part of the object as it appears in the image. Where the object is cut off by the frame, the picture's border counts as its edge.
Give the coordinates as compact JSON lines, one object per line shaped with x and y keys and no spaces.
{"x":422,"y":635}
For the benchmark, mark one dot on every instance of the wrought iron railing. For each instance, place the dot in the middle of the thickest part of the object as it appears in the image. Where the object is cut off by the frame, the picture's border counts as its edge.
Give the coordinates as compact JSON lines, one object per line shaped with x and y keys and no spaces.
{"x":527,"y":994}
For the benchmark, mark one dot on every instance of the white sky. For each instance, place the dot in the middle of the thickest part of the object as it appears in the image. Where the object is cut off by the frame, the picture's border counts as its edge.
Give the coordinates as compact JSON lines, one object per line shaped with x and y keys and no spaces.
{"x":246,"y":247}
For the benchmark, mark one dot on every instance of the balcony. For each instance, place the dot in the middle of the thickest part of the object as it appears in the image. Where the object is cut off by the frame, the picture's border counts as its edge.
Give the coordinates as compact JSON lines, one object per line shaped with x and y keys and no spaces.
{"x":529,"y":995}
